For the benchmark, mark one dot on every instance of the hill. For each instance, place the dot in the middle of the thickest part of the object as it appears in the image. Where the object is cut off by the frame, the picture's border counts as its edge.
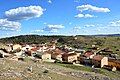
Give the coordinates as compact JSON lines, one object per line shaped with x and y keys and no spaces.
{"x":79,"y":41}
{"x":19,"y":70}
{"x":30,"y":39}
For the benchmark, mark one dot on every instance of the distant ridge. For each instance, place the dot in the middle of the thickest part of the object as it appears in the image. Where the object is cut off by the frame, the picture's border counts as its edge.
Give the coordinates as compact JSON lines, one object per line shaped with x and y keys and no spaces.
{"x":105,"y":35}
{"x":62,"y":35}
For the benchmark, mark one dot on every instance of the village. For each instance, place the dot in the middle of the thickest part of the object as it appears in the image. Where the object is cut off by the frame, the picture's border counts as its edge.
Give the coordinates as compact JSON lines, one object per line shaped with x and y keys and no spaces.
{"x":50,"y":52}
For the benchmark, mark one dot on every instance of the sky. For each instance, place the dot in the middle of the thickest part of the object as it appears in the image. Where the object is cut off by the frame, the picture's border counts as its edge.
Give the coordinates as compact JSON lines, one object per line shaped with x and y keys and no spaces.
{"x":59,"y":17}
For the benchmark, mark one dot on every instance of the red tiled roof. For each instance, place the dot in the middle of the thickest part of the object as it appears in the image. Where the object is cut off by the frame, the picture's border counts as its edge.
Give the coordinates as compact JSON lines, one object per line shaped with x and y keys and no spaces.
{"x":29,"y":51}
{"x":89,"y":53}
{"x":97,"y":57}
{"x":49,"y":52}
{"x":71,"y":54}
{"x":57,"y":51}
{"x":35,"y":49}
{"x":23,"y":45}
{"x":107,"y":50}
{"x":114,"y":60}
{"x":16,"y":44}
{"x":53,"y":44}
{"x":9,"y":44}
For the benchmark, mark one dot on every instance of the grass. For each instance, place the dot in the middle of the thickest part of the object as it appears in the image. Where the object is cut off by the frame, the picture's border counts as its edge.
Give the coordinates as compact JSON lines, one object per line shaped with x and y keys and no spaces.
{"x":38,"y":70}
{"x":84,"y":68}
{"x":115,"y":75}
{"x":75,"y":67}
{"x":18,"y":70}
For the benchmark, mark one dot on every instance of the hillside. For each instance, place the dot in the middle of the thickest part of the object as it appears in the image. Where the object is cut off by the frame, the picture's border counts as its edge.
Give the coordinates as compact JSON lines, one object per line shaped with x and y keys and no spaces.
{"x":19,"y":70}
{"x":79,"y":42}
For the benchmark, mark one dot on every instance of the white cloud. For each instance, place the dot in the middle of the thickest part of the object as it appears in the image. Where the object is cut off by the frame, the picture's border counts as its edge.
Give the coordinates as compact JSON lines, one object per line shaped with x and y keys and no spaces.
{"x":89,"y":16}
{"x":36,"y":31}
{"x":89,"y":25}
{"x":99,"y":25}
{"x":85,"y":16}
{"x":75,"y":30}
{"x":9,"y":34}
{"x":44,"y":23}
{"x":5,"y":35}
{"x":79,"y":15}
{"x":117,"y":23}
{"x":70,"y":23}
{"x":9,"y":25}
{"x":22,"y":13}
{"x":89,"y":7}
{"x":50,"y":1}
{"x":53,"y":28}
{"x":76,"y":0}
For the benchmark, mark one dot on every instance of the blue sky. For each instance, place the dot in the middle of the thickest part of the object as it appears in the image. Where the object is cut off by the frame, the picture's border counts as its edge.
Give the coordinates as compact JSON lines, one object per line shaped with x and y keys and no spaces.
{"x":59,"y":17}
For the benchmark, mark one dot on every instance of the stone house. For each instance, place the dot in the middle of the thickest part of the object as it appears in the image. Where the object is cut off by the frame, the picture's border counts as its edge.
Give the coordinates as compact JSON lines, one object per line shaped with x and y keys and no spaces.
{"x":6,"y":47}
{"x":4,"y":53}
{"x":99,"y":61}
{"x":16,"y":47}
{"x":114,"y":63}
{"x":57,"y":54}
{"x":43,"y":55}
{"x":69,"y":57}
{"x":89,"y":54}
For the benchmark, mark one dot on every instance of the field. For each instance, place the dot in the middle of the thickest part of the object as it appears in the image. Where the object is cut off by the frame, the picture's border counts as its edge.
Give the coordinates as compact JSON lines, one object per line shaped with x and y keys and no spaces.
{"x":13,"y":70}
{"x":20,"y":70}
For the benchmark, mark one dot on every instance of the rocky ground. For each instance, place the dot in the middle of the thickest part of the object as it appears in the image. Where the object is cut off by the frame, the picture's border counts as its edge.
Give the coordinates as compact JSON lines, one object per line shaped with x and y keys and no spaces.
{"x":30,"y":70}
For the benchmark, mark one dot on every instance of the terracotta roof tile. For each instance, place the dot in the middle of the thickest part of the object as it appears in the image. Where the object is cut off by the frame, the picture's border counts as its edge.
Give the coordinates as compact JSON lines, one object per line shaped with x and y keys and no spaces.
{"x":89,"y":53}
{"x":49,"y":52}
{"x":35,"y":49}
{"x":97,"y":57}
{"x":72,"y":54}
{"x":114,"y":60}
{"x":57,"y":51}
